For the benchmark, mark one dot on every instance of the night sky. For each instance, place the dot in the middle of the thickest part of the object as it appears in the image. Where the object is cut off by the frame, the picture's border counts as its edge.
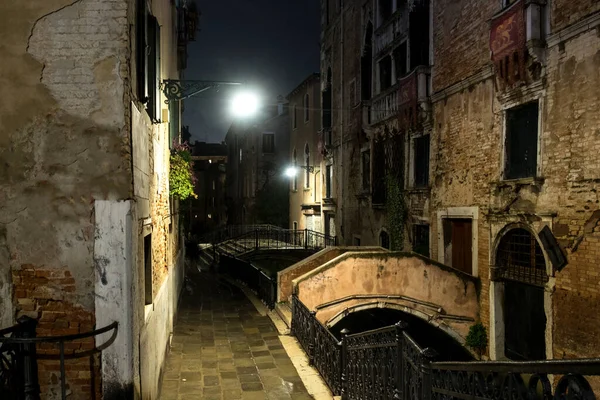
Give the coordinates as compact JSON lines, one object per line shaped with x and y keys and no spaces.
{"x":271,"y":45}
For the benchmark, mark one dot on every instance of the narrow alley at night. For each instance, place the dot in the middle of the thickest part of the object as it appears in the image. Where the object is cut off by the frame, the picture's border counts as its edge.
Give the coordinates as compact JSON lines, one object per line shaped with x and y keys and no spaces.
{"x":304,"y":199}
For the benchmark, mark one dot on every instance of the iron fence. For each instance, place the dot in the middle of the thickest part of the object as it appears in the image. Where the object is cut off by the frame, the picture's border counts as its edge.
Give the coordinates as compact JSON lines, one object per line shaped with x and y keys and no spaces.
{"x":273,"y":238}
{"x":19,"y":359}
{"x":387,"y":363}
{"x":254,"y":278}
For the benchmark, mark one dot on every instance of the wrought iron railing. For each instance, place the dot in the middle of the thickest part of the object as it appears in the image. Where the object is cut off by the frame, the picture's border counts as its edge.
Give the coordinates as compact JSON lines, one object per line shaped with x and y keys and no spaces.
{"x":254,"y":278}
{"x":231,"y":231}
{"x":18,"y":357}
{"x":273,"y":238}
{"x":387,"y":363}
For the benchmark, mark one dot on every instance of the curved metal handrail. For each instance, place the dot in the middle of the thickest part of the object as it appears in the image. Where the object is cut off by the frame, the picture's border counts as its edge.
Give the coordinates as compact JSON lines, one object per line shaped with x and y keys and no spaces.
{"x":27,"y":351}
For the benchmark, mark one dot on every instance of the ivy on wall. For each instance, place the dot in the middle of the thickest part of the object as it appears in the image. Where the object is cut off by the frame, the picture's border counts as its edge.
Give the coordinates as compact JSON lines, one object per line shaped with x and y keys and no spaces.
{"x":181,"y":174}
{"x":396,"y":211}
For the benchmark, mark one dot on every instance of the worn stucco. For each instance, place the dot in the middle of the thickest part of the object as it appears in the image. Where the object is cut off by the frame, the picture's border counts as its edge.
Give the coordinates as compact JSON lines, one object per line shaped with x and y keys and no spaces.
{"x":429,"y":290}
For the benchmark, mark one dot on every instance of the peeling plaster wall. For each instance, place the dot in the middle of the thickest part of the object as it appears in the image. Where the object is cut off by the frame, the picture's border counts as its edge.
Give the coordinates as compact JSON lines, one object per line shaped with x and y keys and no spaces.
{"x":389,"y":274}
{"x":64,"y":145}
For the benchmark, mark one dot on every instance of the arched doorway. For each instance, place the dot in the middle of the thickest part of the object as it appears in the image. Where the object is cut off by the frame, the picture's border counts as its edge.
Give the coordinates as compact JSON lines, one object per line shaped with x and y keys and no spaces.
{"x":425,"y":334}
{"x":521,"y":267}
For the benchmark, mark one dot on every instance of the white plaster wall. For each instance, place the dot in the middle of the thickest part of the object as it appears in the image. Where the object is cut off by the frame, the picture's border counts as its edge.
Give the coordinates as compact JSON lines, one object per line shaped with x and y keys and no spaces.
{"x":114,"y":260}
{"x":157,"y":328}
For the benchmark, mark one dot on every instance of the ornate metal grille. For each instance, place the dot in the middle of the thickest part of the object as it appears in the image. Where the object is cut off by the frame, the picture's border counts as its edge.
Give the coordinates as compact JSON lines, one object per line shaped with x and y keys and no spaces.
{"x":520,"y":258}
{"x":327,"y":357}
{"x":372,"y":364}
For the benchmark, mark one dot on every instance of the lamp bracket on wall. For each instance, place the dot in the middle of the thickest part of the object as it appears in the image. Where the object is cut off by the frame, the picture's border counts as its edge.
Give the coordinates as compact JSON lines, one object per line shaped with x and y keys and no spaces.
{"x":182,"y":89}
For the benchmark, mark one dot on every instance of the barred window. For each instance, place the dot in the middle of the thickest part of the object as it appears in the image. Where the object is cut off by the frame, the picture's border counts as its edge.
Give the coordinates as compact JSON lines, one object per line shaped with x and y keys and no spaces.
{"x":520,"y":258}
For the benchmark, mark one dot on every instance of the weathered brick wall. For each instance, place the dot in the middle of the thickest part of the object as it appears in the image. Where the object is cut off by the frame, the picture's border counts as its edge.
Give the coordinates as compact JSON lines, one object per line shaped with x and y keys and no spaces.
{"x":461,"y":39}
{"x":46,"y":294}
{"x":571,"y":143}
{"x":567,"y":12}
{"x":466,"y":162}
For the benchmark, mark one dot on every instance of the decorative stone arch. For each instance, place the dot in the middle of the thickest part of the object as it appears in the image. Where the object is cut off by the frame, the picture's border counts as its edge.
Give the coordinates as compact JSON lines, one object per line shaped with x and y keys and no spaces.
{"x":431,"y":320}
{"x":499,"y":277}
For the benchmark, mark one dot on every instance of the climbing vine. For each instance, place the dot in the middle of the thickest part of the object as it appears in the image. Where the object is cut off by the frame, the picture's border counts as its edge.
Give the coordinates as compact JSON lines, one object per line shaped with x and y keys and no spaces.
{"x":181,"y":175}
{"x":396,"y":211}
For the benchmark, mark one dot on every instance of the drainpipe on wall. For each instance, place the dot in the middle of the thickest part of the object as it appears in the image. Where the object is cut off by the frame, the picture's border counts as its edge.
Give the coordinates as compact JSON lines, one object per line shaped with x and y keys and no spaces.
{"x":341,"y":115}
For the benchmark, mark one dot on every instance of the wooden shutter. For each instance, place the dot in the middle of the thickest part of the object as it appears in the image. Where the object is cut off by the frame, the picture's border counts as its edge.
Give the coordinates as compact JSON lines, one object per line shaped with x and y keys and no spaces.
{"x":462,"y":238}
{"x":142,"y":50}
{"x":153,"y":105}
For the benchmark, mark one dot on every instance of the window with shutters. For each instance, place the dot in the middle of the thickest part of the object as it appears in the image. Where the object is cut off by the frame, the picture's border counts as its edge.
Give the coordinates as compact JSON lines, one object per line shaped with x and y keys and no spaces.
{"x":385,"y":73}
{"x":154,"y":104}
{"x":521,"y":144}
{"x":420,"y":163}
{"x":328,"y":181}
{"x":421,"y":239}
{"x":148,"y":74}
{"x":306,"y":107}
{"x":268,"y":145}
{"x":366,"y":169}
{"x":458,"y":243}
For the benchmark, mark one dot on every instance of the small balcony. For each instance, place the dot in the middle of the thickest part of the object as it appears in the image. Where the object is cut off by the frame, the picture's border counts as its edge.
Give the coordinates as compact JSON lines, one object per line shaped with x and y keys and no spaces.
{"x":407,"y":100}
{"x":392,"y":31}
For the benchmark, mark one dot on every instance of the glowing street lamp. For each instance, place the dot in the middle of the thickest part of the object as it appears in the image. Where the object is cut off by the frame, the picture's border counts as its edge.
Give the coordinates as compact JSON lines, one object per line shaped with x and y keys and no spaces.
{"x":244,"y":104}
{"x":291,"y":172}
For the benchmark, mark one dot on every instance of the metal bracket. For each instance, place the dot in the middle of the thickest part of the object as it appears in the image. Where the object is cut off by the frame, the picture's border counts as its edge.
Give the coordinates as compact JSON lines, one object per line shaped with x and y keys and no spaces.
{"x":182,"y":89}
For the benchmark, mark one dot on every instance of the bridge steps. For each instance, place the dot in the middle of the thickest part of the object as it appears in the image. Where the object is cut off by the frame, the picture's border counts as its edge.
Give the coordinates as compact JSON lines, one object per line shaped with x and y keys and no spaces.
{"x":284,"y":310}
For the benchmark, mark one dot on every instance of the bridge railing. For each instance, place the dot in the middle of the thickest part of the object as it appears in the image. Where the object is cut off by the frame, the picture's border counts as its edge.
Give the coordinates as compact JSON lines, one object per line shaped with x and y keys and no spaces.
{"x":19,"y":358}
{"x":264,"y":286}
{"x":231,"y":231}
{"x":273,"y":238}
{"x":388,"y":364}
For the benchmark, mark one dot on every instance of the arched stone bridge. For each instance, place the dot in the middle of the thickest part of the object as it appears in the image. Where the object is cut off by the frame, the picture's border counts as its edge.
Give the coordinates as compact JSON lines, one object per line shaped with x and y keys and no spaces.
{"x":355,"y":281}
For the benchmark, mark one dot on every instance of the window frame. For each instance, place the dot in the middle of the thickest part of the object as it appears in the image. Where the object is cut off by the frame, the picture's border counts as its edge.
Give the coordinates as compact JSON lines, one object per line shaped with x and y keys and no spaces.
{"x":306,"y":103}
{"x":539,"y":150}
{"x":413,"y":162}
{"x":365,"y":185}
{"x":413,"y":241}
{"x":271,"y":148}
{"x":471,"y":213}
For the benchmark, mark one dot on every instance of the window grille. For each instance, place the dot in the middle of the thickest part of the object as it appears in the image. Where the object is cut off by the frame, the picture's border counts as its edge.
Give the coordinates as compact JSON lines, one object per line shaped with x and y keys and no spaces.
{"x":520,"y":258}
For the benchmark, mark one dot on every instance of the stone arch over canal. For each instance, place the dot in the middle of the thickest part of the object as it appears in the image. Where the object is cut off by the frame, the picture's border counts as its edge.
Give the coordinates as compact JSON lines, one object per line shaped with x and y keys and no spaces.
{"x":444,"y":297}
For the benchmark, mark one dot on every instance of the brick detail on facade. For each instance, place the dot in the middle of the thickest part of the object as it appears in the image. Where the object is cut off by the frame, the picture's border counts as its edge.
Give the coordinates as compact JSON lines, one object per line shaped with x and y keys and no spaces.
{"x":48,"y":295}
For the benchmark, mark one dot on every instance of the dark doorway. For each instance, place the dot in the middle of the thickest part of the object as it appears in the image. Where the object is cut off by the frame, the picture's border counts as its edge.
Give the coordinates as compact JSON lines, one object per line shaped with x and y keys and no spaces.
{"x":425,"y":334}
{"x":525,"y":322}
{"x":458,"y":244}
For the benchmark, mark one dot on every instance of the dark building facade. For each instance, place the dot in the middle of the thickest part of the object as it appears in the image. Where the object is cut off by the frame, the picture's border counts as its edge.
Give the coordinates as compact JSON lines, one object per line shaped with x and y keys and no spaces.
{"x":467,"y":131}
{"x":257,"y":191}
{"x":208,"y":211}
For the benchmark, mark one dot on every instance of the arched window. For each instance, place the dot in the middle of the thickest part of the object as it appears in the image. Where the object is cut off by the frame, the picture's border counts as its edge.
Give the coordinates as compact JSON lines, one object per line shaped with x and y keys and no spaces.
{"x":295,"y":178}
{"x":307,"y":164}
{"x":384,"y":240}
{"x":306,"y":108}
{"x":520,"y":258}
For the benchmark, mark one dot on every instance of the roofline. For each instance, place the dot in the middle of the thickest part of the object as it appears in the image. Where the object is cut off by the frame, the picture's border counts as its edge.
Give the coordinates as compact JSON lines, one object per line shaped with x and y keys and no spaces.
{"x":310,"y":78}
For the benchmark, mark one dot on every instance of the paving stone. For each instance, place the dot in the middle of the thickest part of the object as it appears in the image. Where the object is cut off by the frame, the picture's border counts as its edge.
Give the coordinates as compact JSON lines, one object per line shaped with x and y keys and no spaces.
{"x":222,"y":349}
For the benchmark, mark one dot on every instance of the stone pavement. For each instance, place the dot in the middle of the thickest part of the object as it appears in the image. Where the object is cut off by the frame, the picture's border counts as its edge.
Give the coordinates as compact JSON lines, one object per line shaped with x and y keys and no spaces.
{"x":223,"y":349}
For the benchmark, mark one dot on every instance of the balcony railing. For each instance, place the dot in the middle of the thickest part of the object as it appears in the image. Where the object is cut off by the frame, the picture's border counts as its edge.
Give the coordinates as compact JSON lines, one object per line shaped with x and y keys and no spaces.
{"x":391,"y":31}
{"x":407,"y":100}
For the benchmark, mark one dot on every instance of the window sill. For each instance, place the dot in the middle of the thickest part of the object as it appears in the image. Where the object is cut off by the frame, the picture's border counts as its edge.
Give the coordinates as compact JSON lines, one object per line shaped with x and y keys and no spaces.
{"x":307,"y":189}
{"x":363,"y":194}
{"x":294,"y":191}
{"x":532,"y":181}
{"x":419,"y":189}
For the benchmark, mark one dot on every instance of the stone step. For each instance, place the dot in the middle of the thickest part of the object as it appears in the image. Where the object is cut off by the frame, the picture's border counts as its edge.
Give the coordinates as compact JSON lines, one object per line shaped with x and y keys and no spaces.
{"x":284,"y":310}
